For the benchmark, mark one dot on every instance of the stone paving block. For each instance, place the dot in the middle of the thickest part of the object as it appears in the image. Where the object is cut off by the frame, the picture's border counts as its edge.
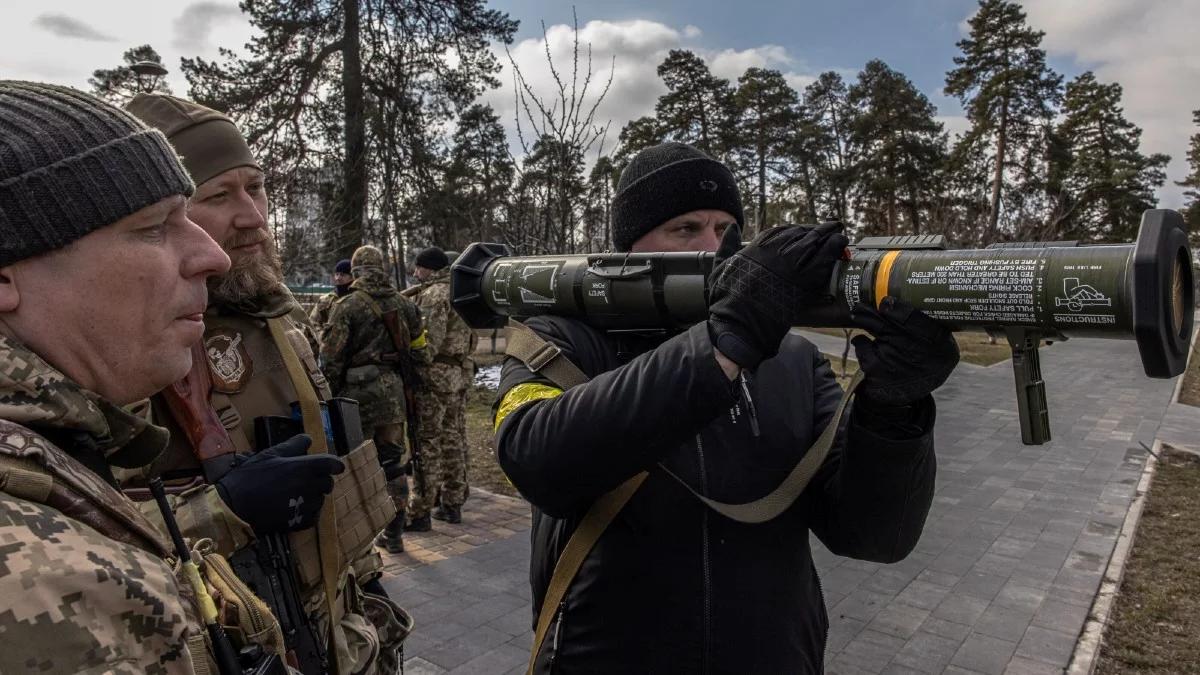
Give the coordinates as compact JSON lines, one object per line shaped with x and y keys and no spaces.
{"x":982,"y":586}
{"x":1003,"y":622}
{"x":922,"y":595}
{"x":458,"y":650}
{"x":1016,"y":595}
{"x":962,"y":609}
{"x":871,"y":650}
{"x":419,"y":666}
{"x":927,"y":652}
{"x":984,"y":654}
{"x":487,"y":610}
{"x":497,"y":660}
{"x":861,"y":604}
{"x":1062,"y":616}
{"x":1023,"y":666}
{"x":898,"y":620}
{"x":1047,"y":646}
{"x":517,"y":622}
{"x":841,"y":632}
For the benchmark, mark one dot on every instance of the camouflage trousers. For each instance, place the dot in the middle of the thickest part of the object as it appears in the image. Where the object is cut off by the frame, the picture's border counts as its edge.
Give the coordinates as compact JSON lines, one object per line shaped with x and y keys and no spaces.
{"x":443,"y":466}
{"x":393,"y":434}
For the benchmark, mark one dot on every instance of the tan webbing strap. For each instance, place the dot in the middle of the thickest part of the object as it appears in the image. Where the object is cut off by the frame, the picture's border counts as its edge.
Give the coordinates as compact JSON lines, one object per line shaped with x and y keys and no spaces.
{"x":314,"y":426}
{"x":25,"y":479}
{"x":542,"y":356}
{"x":778,"y":500}
{"x":576,"y":551}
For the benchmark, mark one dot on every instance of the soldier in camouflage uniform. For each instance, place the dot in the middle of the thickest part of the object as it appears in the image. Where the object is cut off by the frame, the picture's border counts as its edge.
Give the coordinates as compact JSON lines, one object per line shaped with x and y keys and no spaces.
{"x":361,"y":361}
{"x":253,"y":329}
{"x":443,"y":409}
{"x":319,"y":316}
{"x":101,"y":288}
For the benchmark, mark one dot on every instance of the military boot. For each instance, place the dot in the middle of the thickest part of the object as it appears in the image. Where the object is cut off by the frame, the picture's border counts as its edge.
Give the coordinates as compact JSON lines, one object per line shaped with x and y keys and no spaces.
{"x":421,"y":524}
{"x":450,"y":514}
{"x":392,"y":539}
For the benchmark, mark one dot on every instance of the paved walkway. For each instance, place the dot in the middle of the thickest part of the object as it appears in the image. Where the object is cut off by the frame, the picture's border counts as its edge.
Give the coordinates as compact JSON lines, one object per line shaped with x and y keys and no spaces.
{"x":1011,"y":557}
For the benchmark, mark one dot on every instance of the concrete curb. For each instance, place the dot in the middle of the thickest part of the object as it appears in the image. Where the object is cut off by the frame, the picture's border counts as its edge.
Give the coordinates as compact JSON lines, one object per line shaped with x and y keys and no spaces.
{"x":1087,"y":648}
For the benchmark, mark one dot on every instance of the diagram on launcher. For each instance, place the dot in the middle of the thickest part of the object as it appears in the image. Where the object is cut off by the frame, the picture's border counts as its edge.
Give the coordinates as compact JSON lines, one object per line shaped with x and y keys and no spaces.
{"x":1080,"y":295}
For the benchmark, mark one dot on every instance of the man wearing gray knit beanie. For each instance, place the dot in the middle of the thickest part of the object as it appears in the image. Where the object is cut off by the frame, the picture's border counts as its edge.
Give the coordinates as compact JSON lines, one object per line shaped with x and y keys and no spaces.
{"x":102,"y":293}
{"x":727,"y":408}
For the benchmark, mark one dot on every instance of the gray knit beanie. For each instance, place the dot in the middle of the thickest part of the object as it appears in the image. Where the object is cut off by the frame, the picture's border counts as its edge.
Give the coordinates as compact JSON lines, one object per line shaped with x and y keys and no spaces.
{"x":71,"y":164}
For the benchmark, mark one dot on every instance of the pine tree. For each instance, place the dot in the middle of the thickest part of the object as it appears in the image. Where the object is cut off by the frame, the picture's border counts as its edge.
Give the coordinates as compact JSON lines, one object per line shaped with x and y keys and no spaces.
{"x":119,"y":85}
{"x":1110,"y":180}
{"x":698,"y":107}
{"x":637,"y":135}
{"x":480,"y":160}
{"x":318,"y":72}
{"x":898,"y":147}
{"x":1192,"y":181}
{"x":766,"y":116}
{"x":1003,"y":82}
{"x":828,"y":110}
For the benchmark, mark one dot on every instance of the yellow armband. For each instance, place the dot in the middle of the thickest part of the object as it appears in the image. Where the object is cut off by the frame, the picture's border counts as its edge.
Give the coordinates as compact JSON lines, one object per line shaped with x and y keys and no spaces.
{"x":520,"y":395}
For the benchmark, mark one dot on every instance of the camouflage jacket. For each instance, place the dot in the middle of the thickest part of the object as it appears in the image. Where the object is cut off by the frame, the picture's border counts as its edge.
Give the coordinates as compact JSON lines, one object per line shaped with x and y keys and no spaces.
{"x":86,"y":581}
{"x":449,"y":340}
{"x":319,"y":316}
{"x":358,"y":353}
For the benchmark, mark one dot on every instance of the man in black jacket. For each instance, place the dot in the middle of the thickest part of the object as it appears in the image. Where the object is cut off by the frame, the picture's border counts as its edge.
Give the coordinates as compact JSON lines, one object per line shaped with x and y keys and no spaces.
{"x":728,"y":407}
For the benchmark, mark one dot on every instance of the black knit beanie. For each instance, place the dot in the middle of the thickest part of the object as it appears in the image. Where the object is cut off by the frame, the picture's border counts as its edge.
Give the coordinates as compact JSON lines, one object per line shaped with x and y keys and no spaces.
{"x":433,"y":258}
{"x":665,"y":181}
{"x":71,"y":164}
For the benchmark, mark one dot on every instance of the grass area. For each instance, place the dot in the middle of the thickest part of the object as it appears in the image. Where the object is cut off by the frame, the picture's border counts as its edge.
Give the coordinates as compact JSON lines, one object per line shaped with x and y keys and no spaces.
{"x":1156,"y":618}
{"x":1189,"y":392}
{"x":973,"y":347}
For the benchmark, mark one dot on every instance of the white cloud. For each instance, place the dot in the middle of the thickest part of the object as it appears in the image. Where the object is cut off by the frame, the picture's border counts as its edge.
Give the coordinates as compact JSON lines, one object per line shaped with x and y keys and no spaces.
{"x":632,"y":50}
{"x":65,"y":26}
{"x":1149,"y":48}
{"x":27,"y":53}
{"x":194,"y":26}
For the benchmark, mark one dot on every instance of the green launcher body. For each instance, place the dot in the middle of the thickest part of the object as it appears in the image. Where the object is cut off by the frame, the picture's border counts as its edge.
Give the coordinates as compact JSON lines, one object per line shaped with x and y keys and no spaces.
{"x":1026,"y":292}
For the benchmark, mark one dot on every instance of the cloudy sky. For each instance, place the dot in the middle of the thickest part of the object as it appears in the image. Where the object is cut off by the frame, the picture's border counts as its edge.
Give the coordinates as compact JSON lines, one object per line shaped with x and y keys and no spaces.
{"x":1146,"y":45}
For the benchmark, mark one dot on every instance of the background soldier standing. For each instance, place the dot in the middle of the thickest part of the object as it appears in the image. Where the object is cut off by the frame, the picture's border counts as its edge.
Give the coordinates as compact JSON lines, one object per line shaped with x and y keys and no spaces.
{"x":365,"y":361}
{"x":87,"y":195}
{"x":261,"y":359}
{"x":443,"y":409}
{"x":324,"y":305}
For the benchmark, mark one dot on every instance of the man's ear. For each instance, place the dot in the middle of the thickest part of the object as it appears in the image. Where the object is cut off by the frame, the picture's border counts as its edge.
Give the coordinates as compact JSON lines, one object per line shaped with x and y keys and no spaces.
{"x":9,"y":296}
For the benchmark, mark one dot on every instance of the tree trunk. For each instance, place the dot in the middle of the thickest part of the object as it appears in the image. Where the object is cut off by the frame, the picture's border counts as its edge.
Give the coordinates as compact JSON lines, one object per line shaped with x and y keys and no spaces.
{"x":998,"y":178}
{"x":354,"y":205}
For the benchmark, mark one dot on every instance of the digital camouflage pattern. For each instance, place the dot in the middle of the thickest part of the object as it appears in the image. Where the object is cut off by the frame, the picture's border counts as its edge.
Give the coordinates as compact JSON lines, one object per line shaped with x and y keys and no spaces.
{"x":85,"y":580}
{"x":449,"y":343}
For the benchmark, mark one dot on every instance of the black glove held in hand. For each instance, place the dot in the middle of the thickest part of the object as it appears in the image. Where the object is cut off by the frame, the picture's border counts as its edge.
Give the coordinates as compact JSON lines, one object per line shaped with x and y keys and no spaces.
{"x":757,"y":292}
{"x":910,"y":356}
{"x":280,"y":489}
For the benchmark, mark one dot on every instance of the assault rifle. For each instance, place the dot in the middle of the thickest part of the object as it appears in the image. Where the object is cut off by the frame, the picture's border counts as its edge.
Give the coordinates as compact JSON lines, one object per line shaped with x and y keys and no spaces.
{"x":1027,"y":292}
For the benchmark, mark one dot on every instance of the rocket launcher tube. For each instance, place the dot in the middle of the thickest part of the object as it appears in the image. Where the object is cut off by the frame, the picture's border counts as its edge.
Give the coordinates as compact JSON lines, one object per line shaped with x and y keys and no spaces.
{"x":1025,"y":291}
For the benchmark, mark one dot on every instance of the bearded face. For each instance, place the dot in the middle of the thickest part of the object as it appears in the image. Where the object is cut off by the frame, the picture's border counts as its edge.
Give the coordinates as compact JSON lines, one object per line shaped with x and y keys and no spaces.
{"x":232,"y":208}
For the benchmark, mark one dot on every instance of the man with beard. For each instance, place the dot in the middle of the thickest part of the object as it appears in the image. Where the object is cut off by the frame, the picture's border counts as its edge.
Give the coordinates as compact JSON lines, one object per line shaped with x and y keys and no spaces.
{"x":260,"y":356}
{"x":368,"y":346}
{"x":324,"y":305}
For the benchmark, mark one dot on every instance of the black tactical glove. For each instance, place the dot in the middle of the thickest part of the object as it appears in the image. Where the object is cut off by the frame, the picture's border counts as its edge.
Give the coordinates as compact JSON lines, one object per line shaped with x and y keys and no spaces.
{"x":280,"y":489}
{"x":910,"y":356}
{"x":757,"y":293}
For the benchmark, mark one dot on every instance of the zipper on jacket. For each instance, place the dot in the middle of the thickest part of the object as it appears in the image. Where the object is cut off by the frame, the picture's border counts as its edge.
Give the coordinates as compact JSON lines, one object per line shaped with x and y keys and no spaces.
{"x":821,"y":596}
{"x":743,"y":380}
{"x":705,"y":563}
{"x":558,"y":622}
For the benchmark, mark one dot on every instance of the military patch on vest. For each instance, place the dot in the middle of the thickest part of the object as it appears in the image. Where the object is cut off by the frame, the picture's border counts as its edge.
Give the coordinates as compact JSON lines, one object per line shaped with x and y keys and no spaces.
{"x":228,"y":361}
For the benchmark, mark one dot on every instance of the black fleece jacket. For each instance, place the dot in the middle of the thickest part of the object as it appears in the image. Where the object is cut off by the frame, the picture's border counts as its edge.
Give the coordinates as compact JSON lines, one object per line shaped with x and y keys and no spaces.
{"x":672,"y":587}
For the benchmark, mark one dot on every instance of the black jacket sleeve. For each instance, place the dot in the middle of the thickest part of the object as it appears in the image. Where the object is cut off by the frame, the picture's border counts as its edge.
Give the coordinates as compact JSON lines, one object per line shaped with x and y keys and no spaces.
{"x":564,"y":452}
{"x":871,"y":496}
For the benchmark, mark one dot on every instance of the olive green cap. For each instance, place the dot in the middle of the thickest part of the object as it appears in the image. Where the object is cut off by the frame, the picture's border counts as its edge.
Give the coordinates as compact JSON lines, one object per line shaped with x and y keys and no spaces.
{"x":207,"y":141}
